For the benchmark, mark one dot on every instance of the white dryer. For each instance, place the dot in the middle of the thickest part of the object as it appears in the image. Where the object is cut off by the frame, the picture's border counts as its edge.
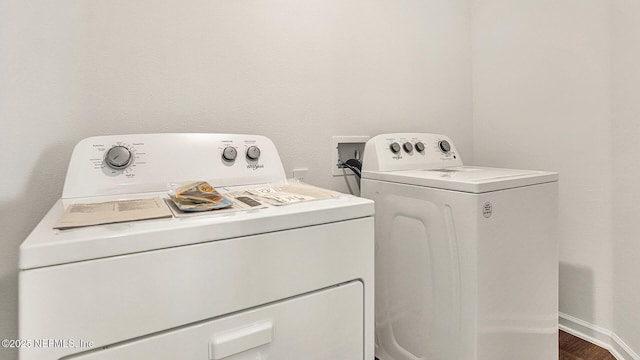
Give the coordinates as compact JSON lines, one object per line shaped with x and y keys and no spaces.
{"x":466,"y":257}
{"x":280,"y":282}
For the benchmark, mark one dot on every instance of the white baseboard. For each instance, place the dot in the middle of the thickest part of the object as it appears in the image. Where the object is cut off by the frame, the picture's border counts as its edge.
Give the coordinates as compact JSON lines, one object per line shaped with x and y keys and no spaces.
{"x":597,"y":335}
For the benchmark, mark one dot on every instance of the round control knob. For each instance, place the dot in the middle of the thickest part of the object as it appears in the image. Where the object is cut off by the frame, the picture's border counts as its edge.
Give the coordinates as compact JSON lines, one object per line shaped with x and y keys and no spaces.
{"x":420,"y":146}
{"x":118,"y":157}
{"x":408,"y":147}
{"x":444,"y":146}
{"x":395,"y":147}
{"x":253,"y":153}
{"x":229,"y":153}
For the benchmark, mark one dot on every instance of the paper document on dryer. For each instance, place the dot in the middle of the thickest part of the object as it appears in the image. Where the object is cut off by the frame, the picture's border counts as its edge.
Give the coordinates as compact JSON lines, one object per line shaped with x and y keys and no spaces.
{"x":78,"y":215}
{"x":291,"y":192}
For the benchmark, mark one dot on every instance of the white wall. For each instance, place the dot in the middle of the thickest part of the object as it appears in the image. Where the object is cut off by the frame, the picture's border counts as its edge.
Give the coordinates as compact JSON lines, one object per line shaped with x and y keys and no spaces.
{"x":542,"y":101}
{"x":625,"y":50}
{"x":556,"y":86}
{"x":298,"y":72}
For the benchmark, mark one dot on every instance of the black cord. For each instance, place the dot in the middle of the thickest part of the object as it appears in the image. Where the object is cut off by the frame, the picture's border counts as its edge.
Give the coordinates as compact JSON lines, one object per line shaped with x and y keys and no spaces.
{"x":353,"y":169}
{"x":354,"y":165}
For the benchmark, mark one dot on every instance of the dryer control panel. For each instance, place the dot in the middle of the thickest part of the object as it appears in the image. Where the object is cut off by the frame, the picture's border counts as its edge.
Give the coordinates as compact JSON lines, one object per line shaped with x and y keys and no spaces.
{"x":121,"y":164}
{"x":409,"y":151}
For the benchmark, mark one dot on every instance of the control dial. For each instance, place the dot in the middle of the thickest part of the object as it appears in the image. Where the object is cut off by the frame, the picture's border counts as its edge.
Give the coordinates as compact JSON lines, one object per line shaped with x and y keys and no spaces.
{"x":253,"y":153}
{"x":420,"y":146}
{"x":408,"y":147}
{"x":118,"y":157}
{"x":229,"y":153}
{"x":444,"y":146}
{"x":395,"y":147}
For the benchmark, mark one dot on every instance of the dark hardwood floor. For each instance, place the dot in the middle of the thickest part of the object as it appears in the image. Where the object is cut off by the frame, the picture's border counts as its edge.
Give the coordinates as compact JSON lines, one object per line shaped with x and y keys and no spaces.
{"x":574,"y":348}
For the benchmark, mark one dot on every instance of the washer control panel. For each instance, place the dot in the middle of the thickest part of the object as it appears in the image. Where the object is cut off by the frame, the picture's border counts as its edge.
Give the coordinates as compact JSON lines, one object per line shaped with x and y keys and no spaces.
{"x":409,"y":151}
{"x":108,"y":165}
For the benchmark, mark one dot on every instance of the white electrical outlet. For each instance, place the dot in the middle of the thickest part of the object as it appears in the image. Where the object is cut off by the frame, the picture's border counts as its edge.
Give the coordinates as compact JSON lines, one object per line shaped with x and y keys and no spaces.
{"x":300,"y":174}
{"x":344,"y":148}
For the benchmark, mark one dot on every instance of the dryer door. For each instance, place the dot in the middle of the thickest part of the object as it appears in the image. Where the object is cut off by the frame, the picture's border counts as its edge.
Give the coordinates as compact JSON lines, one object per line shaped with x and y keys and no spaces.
{"x":324,"y":325}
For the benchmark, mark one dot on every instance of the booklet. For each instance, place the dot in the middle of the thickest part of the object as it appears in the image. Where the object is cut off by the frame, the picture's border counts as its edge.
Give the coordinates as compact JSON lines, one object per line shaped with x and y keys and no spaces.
{"x":78,"y":215}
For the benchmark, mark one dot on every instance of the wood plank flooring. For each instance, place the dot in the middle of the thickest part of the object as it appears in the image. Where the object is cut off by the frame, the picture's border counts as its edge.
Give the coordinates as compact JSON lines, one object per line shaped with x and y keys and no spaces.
{"x":574,"y":348}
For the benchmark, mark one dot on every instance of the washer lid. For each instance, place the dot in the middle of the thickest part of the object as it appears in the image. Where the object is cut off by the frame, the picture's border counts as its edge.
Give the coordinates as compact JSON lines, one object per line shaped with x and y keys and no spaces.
{"x":465,"y":178}
{"x":46,"y":246}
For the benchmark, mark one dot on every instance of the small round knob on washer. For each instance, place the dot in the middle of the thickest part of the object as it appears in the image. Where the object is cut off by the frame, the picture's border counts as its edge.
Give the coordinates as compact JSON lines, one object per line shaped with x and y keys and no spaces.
{"x":229,"y":153}
{"x":444,"y":146}
{"x":118,"y":157}
{"x":408,"y":147}
{"x":420,"y":146}
{"x":395,"y":147}
{"x":253,"y":153}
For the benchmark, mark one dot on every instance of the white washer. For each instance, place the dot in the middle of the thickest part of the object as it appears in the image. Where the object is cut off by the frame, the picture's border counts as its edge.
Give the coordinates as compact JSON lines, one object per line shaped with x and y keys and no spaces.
{"x":287,"y":282}
{"x":466,"y":257}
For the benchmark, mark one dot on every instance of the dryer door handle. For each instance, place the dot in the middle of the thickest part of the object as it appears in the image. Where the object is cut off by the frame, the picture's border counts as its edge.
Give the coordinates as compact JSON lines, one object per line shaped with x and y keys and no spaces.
{"x":231,"y":342}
